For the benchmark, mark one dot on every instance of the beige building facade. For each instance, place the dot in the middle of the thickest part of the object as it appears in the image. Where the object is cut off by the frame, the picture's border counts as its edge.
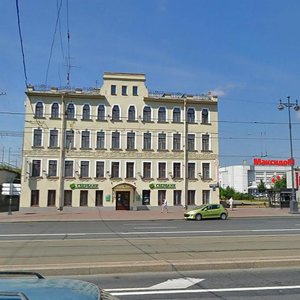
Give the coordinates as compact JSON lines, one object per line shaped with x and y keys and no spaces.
{"x":119,"y":146}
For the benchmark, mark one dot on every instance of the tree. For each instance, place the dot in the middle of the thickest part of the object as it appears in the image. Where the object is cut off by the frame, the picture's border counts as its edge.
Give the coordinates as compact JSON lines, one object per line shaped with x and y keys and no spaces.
{"x":261,"y":187}
{"x":280,"y":184}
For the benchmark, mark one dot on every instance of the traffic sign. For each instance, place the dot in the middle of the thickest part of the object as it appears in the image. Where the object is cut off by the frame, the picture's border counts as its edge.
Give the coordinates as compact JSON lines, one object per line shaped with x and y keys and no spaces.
{"x":11,"y":189}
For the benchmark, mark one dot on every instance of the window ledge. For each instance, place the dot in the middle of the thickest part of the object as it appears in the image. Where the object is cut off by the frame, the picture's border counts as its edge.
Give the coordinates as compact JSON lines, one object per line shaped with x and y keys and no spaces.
{"x":131,"y":150}
{"x":87,"y":120}
{"x":130,"y":178}
{"x":207,"y":151}
{"x":100,"y":120}
{"x":116,"y":149}
{"x":38,"y":147}
{"x":177,"y":150}
{"x":192,"y":150}
{"x":149,"y":150}
{"x":163,"y":179}
{"x":35,"y":117}
{"x":56,"y":147}
{"x":115,"y":178}
{"x":147,"y":178}
{"x":132,"y":121}
{"x":36,"y":177}
{"x":69,"y":177}
{"x":53,"y":118}
{"x":85,"y":177}
{"x":116,"y":121}
{"x":53,"y":177}
{"x":71,"y":119}
{"x":162,"y":150}
{"x":85,"y":148}
{"x":163,"y":122}
{"x":147,"y":121}
{"x":100,"y":149}
{"x":100,"y":178}
{"x":205,"y":123}
{"x":177,"y":122}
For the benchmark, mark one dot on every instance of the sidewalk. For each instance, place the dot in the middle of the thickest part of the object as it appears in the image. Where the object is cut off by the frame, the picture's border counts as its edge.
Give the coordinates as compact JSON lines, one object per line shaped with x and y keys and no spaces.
{"x":107,"y":214}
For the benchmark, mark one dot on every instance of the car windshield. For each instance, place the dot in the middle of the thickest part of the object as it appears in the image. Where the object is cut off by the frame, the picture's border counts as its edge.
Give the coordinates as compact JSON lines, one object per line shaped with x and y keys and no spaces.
{"x":201,"y":206}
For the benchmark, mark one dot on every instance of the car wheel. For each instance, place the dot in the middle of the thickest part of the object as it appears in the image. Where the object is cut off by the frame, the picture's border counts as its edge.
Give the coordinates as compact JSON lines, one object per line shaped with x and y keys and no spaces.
{"x":198,"y":217}
{"x":223,"y":216}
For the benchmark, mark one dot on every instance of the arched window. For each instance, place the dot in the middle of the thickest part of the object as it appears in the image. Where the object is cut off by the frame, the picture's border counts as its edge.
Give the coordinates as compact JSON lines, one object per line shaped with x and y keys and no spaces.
{"x":101,"y":113}
{"x":39,"y":110}
{"x":116,"y":113}
{"x":176,"y":115}
{"x":131,"y":113}
{"x":86,"y":112}
{"x":162,"y":115}
{"x":55,"y":110}
{"x":204,"y":115}
{"x":70,"y":111}
{"x":147,"y":114}
{"x":191,"y":115}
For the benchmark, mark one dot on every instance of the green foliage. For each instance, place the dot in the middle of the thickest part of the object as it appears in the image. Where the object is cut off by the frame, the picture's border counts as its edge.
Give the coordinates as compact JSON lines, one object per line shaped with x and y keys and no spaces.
{"x":280,"y":183}
{"x":261,"y":187}
{"x":229,"y":192}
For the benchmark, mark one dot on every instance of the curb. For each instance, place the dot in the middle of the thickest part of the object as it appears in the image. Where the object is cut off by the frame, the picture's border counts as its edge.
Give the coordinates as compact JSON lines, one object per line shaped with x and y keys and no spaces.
{"x":158,"y":266}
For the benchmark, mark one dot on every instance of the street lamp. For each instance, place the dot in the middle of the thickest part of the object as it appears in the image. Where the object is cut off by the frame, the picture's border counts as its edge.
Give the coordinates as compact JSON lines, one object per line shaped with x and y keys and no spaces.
{"x":288,"y":104}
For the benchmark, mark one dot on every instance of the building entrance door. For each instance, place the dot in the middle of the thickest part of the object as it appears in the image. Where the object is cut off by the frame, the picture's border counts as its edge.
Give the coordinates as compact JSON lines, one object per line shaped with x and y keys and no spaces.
{"x":123,"y":200}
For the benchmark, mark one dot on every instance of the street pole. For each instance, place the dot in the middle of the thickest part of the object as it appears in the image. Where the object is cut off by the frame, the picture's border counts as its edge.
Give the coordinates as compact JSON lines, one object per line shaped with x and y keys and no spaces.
{"x":10,"y":199}
{"x":293,"y":200}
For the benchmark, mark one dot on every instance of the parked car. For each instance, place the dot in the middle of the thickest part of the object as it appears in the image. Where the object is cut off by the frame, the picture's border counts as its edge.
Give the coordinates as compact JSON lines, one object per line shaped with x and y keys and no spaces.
{"x":33,"y":286}
{"x":207,"y":211}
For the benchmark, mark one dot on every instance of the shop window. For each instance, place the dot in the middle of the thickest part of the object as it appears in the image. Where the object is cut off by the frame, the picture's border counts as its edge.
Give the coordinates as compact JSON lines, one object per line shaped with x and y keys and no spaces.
{"x":146,"y":197}
{"x":83,"y":198}
{"x":67,"y":198}
{"x":99,"y":198}
{"x":35,"y":198}
{"x":51,"y":197}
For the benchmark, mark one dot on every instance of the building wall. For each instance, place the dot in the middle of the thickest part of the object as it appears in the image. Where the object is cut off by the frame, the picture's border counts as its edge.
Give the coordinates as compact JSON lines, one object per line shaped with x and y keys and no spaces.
{"x":110,"y":186}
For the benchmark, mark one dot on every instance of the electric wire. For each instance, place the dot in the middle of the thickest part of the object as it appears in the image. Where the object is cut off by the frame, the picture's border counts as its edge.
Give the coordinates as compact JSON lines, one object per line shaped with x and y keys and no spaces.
{"x":52,"y":43}
{"x":21,"y":42}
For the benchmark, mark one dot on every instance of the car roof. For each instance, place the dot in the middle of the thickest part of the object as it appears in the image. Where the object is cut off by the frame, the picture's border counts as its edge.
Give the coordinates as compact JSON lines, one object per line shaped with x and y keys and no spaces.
{"x":46,"y":289}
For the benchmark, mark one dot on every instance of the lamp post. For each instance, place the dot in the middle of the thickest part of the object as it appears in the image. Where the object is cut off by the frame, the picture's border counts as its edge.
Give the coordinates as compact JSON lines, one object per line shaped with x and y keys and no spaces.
{"x":288,"y":104}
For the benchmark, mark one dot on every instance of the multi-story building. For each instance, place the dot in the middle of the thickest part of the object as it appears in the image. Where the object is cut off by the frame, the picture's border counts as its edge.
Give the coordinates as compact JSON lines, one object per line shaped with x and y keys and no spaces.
{"x":119,"y":146}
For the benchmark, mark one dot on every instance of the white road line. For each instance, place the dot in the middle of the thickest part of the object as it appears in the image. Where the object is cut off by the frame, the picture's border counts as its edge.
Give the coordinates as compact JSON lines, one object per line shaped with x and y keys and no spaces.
{"x":155,"y":227}
{"x":195,"y":291}
{"x":150,"y":232}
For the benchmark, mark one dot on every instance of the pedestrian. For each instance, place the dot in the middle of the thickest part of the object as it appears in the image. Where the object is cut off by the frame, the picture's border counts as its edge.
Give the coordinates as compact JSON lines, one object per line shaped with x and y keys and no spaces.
{"x":231,"y":203}
{"x":164,"y":206}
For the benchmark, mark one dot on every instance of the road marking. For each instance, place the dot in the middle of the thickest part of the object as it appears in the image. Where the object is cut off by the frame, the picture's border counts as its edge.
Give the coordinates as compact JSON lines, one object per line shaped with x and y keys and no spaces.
{"x":170,"y":284}
{"x":195,"y":291}
{"x":149,"y":232}
{"x":155,"y":227}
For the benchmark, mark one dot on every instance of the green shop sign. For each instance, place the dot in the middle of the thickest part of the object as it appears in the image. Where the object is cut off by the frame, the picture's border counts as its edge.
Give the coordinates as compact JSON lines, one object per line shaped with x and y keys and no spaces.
{"x":83,"y":186}
{"x":162,"y":186}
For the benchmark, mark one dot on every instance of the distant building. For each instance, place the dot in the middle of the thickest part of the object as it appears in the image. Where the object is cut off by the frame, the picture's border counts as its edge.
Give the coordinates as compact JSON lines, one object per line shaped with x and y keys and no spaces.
{"x":119,"y":146}
{"x":246,"y":178}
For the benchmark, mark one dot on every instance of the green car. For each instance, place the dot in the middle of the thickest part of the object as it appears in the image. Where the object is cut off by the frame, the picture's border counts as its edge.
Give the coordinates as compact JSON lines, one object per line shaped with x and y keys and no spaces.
{"x":207,"y":211}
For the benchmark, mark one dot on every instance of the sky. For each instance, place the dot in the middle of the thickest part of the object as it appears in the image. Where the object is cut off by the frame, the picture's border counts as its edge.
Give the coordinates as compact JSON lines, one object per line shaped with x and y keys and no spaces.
{"x":245,"y":51}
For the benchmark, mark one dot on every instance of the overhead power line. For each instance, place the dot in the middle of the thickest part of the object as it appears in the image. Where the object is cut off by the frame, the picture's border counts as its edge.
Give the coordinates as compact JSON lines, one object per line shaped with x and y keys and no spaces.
{"x":21,"y":42}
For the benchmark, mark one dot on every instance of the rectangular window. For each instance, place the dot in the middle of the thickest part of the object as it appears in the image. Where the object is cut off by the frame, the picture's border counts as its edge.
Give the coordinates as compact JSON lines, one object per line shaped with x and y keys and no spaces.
{"x":37,"y":137}
{"x":36,"y":168}
{"x":191,"y":142}
{"x":69,"y":172}
{"x":191,"y":197}
{"x":100,"y":169}
{"x":85,"y":139}
{"x":52,"y":168}
{"x":83,"y":198}
{"x":147,"y":169}
{"x":115,"y":170}
{"x":53,"y":138}
{"x":162,"y":170}
{"x":146,"y":197}
{"x":176,"y":197}
{"x":161,"y":196}
{"x":147,"y":141}
{"x":177,"y":141}
{"x":134,"y":90}
{"x":67,"y":198}
{"x":99,"y":198}
{"x":35,"y":198}
{"x":113,"y":89}
{"x":205,"y":196}
{"x":51,"y":197}
{"x":70,"y":139}
{"x":115,"y":140}
{"x":177,"y":170}
{"x":205,"y":142}
{"x":130,"y":140}
{"x":84,"y":168}
{"x":100,"y":143}
{"x":129,"y":170}
{"x":205,"y":171}
{"x":124,"y":90}
{"x":191,"y":170}
{"x":162,"y":144}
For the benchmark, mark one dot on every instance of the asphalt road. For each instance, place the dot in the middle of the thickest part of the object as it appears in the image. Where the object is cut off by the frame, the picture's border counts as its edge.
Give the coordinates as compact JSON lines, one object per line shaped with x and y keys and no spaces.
{"x":246,"y":284}
{"x":131,"y":246}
